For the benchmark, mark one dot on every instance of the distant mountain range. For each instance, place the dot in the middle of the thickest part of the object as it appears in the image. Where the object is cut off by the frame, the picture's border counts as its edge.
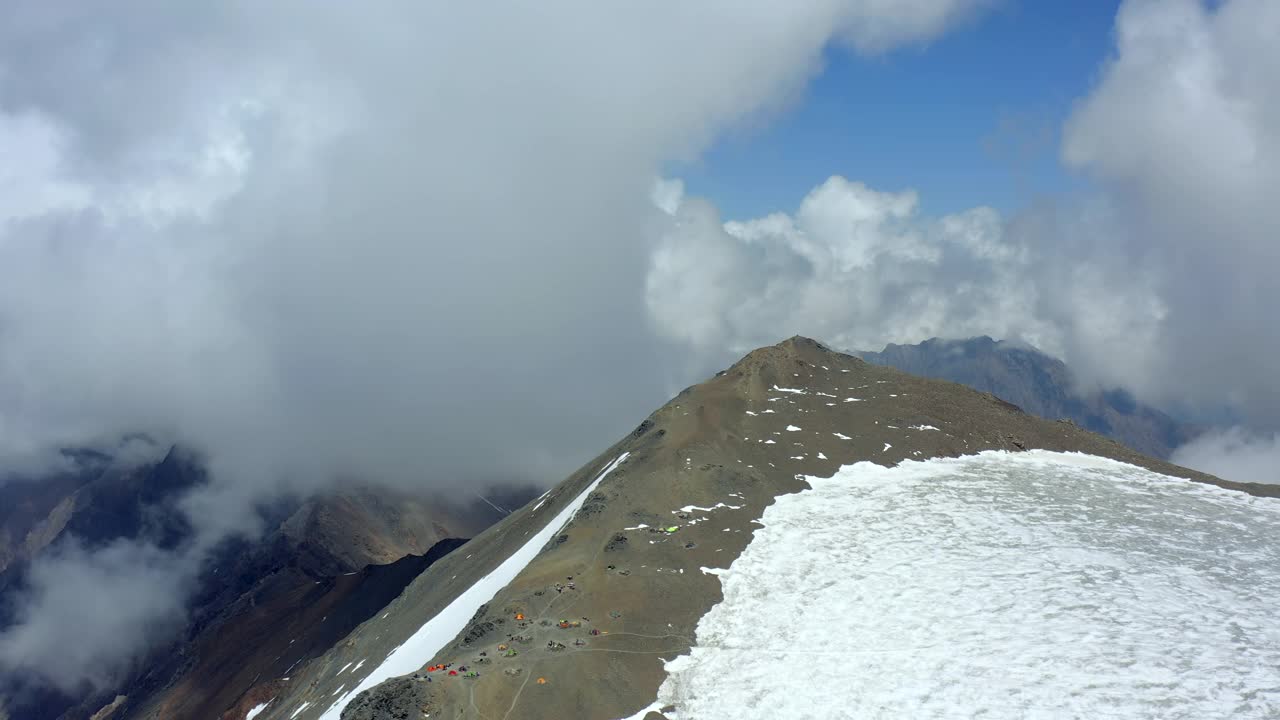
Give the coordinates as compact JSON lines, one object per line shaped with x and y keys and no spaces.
{"x":1041,"y":385}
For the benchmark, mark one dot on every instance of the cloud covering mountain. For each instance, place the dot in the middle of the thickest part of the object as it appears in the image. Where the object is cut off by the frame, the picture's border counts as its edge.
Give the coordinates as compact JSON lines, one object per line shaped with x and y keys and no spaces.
{"x":380,"y":241}
{"x":1235,"y":453}
{"x":1164,"y":270}
{"x":416,"y":243}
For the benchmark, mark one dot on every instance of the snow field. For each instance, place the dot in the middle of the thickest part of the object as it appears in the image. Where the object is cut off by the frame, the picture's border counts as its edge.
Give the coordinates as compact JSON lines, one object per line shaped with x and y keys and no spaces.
{"x":999,"y":585}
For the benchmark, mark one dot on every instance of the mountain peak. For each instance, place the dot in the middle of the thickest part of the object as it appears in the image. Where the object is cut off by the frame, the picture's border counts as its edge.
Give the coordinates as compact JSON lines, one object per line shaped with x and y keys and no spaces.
{"x":796,"y":350}
{"x":800,"y":341}
{"x":617,"y":564}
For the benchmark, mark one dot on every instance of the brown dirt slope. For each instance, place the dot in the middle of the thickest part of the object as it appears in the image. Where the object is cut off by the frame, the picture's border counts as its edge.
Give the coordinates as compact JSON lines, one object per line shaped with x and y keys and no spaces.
{"x":632,"y":595}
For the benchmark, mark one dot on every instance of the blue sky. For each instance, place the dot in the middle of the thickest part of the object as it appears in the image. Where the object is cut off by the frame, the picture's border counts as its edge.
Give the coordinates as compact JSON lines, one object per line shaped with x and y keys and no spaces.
{"x":972,"y":119}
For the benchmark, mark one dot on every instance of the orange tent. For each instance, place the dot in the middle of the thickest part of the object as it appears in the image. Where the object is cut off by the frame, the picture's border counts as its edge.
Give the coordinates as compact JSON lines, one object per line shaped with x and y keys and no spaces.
{"x":519,"y":616}
{"x":542,"y":681}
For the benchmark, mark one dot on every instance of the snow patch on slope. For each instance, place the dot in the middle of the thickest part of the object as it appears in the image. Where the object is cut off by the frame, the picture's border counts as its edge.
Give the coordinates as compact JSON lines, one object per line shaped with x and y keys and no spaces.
{"x":256,"y":710}
{"x":639,"y":715}
{"x":1000,"y":585}
{"x":439,"y":630}
{"x":542,"y":499}
{"x":693,"y":508}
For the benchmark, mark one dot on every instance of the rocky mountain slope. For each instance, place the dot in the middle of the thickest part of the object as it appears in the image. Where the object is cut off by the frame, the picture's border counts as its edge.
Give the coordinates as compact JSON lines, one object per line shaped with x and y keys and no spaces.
{"x":1041,"y":385}
{"x":329,"y":563}
{"x":97,"y":499}
{"x":571,"y":606}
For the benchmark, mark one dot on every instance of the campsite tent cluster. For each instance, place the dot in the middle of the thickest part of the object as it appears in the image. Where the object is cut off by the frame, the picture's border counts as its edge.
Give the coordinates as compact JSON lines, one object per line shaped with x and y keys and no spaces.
{"x":512,"y":647}
{"x":508,"y":648}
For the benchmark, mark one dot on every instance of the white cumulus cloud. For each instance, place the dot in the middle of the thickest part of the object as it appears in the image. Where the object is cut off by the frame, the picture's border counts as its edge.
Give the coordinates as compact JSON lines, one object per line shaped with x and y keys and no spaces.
{"x":1182,"y":132}
{"x":372,"y":240}
{"x":1162,"y":277}
{"x":861,"y":267}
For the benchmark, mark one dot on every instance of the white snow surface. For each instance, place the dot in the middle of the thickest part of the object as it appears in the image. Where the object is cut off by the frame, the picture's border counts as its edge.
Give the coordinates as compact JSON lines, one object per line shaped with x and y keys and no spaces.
{"x":693,"y":508}
{"x":439,"y":630}
{"x":1027,"y":585}
{"x":256,"y":710}
{"x":541,"y":500}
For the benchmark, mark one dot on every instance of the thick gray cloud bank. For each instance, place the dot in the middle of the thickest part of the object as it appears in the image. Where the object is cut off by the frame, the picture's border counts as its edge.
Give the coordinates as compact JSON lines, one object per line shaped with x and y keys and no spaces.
{"x":1165,"y":279}
{"x":351,"y":236}
{"x":94,"y":610}
{"x":406,"y":241}
{"x":1234,"y":453}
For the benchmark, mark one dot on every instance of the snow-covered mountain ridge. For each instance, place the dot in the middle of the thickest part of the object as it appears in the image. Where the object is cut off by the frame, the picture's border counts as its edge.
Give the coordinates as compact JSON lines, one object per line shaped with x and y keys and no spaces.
{"x":591,"y":625}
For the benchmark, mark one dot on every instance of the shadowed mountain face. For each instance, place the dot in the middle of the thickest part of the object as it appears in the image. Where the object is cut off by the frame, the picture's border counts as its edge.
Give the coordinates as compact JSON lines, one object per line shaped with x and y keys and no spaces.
{"x":97,"y":501}
{"x":287,"y":617}
{"x":1040,"y":385}
{"x":326,"y":564}
{"x":569,"y":607}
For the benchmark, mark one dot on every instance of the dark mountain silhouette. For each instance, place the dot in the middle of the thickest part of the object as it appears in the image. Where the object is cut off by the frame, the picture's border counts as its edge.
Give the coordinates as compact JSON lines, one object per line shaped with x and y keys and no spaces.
{"x":1041,"y":385}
